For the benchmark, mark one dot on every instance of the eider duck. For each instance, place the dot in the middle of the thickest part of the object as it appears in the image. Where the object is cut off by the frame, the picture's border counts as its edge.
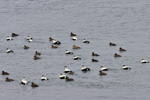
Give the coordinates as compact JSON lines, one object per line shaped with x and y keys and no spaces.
{"x":24,"y":81}
{"x":36,"y":58}
{"x":5,"y":73}
{"x":61,"y":76}
{"x":94,"y":60}
{"x":29,"y":38}
{"x":69,"y":79}
{"x":71,"y":34}
{"x":121,"y":49}
{"x":8,"y":79}
{"x":56,"y":42}
{"x":76,"y":47}
{"x":71,"y":73}
{"x":103,"y":68}
{"x":76,"y":58}
{"x":34,"y":85}
{"x":51,"y":39}
{"x":74,"y":38}
{"x":37,"y":53}
{"x":112,"y":44}
{"x":124,"y":67}
{"x":94,"y":54}
{"x":14,"y":34}
{"x":144,"y":61}
{"x":54,"y":47}
{"x":9,"y":51}
{"x":44,"y":78}
{"x":102,"y":73}
{"x":85,"y":68}
{"x":85,"y":41}
{"x":26,"y":47}
{"x":68,"y":52}
{"x":66,"y":70}
{"x":8,"y":38}
{"x":117,"y":55}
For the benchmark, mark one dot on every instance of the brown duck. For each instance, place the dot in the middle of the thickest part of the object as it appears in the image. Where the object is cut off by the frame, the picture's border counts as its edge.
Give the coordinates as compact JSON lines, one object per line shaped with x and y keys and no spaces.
{"x":8,"y":79}
{"x":5,"y":73}
{"x":76,"y":47}
{"x":26,"y":47}
{"x":102,"y":73}
{"x":34,"y":85}
{"x":112,"y":44}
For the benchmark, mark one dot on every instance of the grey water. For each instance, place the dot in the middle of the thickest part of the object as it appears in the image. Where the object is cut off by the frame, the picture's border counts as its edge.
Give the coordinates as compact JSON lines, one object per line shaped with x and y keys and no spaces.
{"x":124,"y":22}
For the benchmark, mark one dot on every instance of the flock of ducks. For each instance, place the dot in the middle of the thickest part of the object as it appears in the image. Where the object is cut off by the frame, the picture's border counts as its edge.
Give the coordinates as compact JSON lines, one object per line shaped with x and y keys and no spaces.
{"x":67,"y":52}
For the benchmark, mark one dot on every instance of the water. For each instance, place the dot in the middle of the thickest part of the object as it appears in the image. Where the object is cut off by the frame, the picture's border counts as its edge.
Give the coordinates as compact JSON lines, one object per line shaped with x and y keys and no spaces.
{"x":124,"y":22}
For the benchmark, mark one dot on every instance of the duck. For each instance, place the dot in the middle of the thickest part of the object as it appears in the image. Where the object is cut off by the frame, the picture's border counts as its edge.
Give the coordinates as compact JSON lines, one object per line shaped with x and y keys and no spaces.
{"x":69,"y":79}
{"x":29,"y":38}
{"x":51,"y":39}
{"x":43,"y":78}
{"x":72,"y":34}
{"x":74,"y":38}
{"x":54,"y":47}
{"x":94,"y":54}
{"x":66,"y":70}
{"x":85,"y":41}
{"x":56,"y":42}
{"x":103,"y":68}
{"x":124,"y":67}
{"x":76,"y":58}
{"x":112,"y":44}
{"x":36,"y":58}
{"x":121,"y":49}
{"x":26,"y":47}
{"x":9,"y":51}
{"x":37,"y":53}
{"x":76,"y":47}
{"x":68,"y":52}
{"x":5,"y":73}
{"x":34,"y":85}
{"x":144,"y":61}
{"x":102,"y":73}
{"x":9,"y":79}
{"x":14,"y":34}
{"x":71,"y":72}
{"x":9,"y":38}
{"x":117,"y":55}
{"x":24,"y":81}
{"x":85,"y":68}
{"x":61,"y":76}
{"x":94,"y":60}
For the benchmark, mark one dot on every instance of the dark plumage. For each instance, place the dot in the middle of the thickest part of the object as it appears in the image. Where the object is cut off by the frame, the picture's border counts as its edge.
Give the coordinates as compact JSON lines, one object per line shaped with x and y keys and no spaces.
{"x":94,"y":60}
{"x":112,"y":44}
{"x":121,"y":49}
{"x":26,"y":47}
{"x":117,"y":55}
{"x":54,"y":46}
{"x":71,"y":34}
{"x":34,"y":85}
{"x":102,"y":73}
{"x":36,"y":58}
{"x":14,"y":34}
{"x":37,"y":53}
{"x":8,"y":79}
{"x":5,"y":73}
{"x":69,"y":79}
{"x":94,"y":54}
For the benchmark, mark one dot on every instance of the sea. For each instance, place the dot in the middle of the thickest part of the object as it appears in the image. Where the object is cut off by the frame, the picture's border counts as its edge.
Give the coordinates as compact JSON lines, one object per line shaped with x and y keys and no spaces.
{"x":123,"y":22}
